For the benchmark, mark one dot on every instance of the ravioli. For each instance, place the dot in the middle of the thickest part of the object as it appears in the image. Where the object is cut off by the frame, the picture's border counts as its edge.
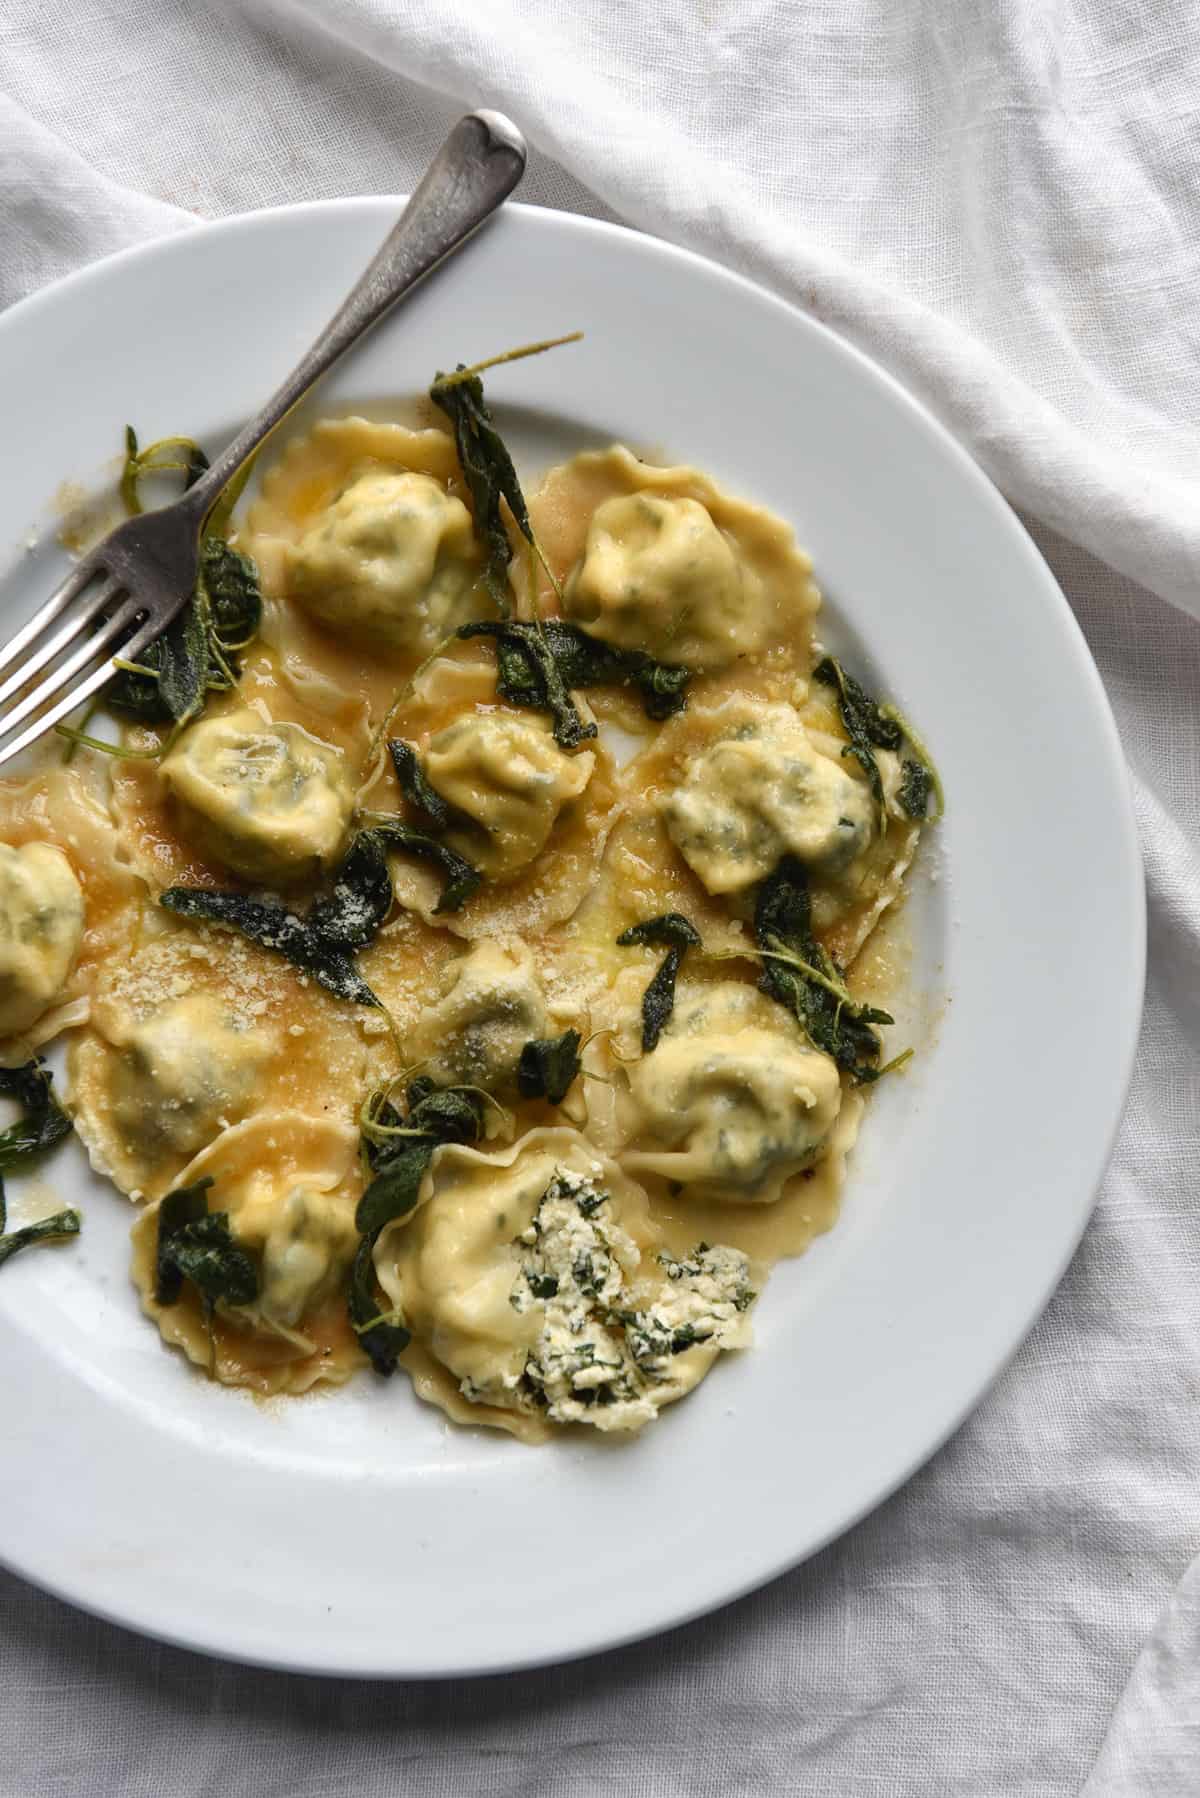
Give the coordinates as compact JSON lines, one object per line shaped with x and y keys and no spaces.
{"x":492,"y":1007}
{"x":58,"y":825}
{"x":761,"y":790}
{"x":392,"y":561}
{"x":155,"y":1089}
{"x":41,"y":929}
{"x":722,"y":793}
{"x":321,"y":664}
{"x":508,"y":780}
{"x":733,"y":1101}
{"x":535,"y":819}
{"x":533,"y":1276}
{"x":192,"y":1032}
{"x":661,"y":559}
{"x":658,"y":576}
{"x":289,"y":1185}
{"x":266,"y":799}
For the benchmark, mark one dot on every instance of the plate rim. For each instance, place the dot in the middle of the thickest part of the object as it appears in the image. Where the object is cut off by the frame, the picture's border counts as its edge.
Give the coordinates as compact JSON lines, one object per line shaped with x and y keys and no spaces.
{"x":1129,"y":861}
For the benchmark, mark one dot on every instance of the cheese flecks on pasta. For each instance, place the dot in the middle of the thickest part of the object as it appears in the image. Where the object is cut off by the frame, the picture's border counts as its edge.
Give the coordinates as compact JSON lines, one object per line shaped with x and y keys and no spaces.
{"x":534,"y":1277}
{"x":492,"y":1007}
{"x":270,"y":801}
{"x":392,"y":561}
{"x":184,"y":1072}
{"x":657,"y":575}
{"x":762,"y":791}
{"x":732,"y":1101}
{"x":41,"y":928}
{"x":510,"y":779}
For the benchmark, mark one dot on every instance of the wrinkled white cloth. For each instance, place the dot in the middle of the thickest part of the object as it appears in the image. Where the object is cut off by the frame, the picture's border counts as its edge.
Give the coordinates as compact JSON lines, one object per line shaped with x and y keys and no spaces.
{"x":1000,"y":200}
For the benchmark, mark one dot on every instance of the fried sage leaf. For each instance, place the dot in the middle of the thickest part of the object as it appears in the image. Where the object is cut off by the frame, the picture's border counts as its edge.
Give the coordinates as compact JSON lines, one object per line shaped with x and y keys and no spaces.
{"x":183,"y":1205}
{"x":677,"y":934}
{"x":871,"y":726}
{"x":343,"y":920}
{"x":549,"y":1066}
{"x":463,"y":878}
{"x":197,"y":654}
{"x":44,"y":1123}
{"x":801,"y":976}
{"x":197,"y":1244}
{"x":382,"y":1336}
{"x":398,"y":1147}
{"x":416,"y":786}
{"x":916,"y":786}
{"x":528,"y":674}
{"x":866,"y":725}
{"x":46,"y":1229}
{"x":42,"y":1126}
{"x":488,"y":469}
{"x":339,"y":923}
{"x":539,"y":665}
{"x":274,"y":927}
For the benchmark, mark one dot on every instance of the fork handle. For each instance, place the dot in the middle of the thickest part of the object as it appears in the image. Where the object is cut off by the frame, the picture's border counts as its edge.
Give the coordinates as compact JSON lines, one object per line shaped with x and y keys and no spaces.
{"x":475,"y":170}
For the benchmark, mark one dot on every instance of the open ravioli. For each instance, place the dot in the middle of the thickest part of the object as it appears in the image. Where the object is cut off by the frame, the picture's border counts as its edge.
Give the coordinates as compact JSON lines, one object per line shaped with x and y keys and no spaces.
{"x":288,"y":1184}
{"x":733,"y":1101}
{"x":41,"y":929}
{"x":760,"y":791}
{"x":268,"y":800}
{"x":536,"y":1278}
{"x":492,"y":1006}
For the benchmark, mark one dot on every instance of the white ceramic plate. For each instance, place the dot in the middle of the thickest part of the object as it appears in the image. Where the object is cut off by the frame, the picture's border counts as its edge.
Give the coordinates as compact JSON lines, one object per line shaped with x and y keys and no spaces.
{"x":360,"y":1533}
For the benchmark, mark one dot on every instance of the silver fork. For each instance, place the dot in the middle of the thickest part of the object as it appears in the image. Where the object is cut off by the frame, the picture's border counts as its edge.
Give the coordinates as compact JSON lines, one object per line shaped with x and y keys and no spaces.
{"x":126,"y":590}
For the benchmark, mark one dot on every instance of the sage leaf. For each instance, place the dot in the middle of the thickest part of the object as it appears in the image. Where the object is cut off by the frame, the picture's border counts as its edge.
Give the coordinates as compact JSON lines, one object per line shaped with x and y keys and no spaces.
{"x":489,"y":473}
{"x":47,"y":1229}
{"x":539,"y":665}
{"x":677,"y":934}
{"x":197,"y":1244}
{"x":528,"y":674}
{"x":44,"y":1123}
{"x":416,"y":787}
{"x":800,"y":975}
{"x":182,"y":1205}
{"x":549,"y":1066}
{"x":463,"y":878}
{"x":382,"y":1336}
{"x":916,"y":785}
{"x":41,"y":1127}
{"x":276,"y":928}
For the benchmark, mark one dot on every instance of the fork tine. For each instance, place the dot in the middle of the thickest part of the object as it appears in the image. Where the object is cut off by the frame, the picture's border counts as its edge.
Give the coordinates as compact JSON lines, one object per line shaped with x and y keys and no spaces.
{"x":79,"y":578}
{"x":63,"y":677}
{"x":55,"y":645}
{"x":69,"y":702}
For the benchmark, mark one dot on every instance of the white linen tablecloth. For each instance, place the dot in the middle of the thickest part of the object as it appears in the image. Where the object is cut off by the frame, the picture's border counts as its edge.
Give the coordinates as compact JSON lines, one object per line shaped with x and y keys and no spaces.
{"x":1000,"y":200}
